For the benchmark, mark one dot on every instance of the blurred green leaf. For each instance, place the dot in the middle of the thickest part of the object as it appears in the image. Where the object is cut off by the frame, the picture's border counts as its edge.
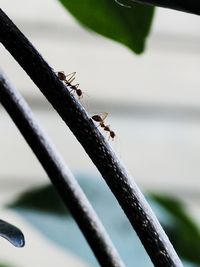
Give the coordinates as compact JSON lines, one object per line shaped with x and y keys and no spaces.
{"x":44,"y":199}
{"x":181,"y":229}
{"x":129,"y":26}
{"x":4,"y":265}
{"x":12,"y":234}
{"x":183,"y":232}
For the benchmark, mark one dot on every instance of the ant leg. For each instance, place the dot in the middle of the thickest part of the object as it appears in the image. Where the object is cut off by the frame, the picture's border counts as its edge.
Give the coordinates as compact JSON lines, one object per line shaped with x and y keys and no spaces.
{"x":69,"y":81}
{"x":105,"y":116}
{"x":71,"y":75}
{"x":74,"y":87}
{"x":71,"y":78}
{"x":100,"y":125}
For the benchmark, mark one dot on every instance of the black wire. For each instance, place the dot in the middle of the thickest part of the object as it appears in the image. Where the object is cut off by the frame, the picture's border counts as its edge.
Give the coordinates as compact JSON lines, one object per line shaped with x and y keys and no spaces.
{"x":60,"y":175}
{"x":116,"y":176}
{"x":188,"y":6}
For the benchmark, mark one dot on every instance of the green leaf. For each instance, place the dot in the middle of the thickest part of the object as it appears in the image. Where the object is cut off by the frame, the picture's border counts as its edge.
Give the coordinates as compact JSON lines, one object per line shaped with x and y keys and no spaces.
{"x":129,"y":26}
{"x":43,"y":199}
{"x":181,"y":229}
{"x":183,"y":232}
{"x":4,"y":265}
{"x":12,"y":234}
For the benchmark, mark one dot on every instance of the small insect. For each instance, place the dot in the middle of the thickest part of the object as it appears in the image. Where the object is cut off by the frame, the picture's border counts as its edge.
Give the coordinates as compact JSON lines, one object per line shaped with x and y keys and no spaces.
{"x":68,"y":79}
{"x":101,"y":119}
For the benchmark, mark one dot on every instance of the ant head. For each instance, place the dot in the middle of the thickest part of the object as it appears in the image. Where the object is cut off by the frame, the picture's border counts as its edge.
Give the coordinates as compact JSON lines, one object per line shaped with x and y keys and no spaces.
{"x":97,"y":118}
{"x":61,"y":75}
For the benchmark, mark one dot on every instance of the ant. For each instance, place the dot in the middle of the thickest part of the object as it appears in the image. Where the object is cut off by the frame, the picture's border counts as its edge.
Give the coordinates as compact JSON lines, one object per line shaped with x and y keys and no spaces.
{"x":68,"y":81}
{"x":101,"y":119}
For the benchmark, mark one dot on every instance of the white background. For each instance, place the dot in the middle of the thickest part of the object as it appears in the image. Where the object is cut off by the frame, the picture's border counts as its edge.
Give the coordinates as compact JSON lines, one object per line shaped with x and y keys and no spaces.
{"x":153,"y":102}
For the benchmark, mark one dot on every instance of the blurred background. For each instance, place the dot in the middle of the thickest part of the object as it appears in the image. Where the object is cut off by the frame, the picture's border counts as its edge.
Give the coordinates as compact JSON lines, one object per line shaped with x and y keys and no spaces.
{"x":153,"y":101}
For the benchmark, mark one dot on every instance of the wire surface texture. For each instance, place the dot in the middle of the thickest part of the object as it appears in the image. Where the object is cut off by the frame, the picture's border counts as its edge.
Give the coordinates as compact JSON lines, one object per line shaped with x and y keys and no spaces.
{"x":119,"y":181}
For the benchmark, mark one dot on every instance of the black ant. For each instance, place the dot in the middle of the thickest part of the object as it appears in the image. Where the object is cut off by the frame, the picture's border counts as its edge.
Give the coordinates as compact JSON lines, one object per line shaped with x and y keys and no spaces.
{"x":101,"y":119}
{"x":74,"y":87}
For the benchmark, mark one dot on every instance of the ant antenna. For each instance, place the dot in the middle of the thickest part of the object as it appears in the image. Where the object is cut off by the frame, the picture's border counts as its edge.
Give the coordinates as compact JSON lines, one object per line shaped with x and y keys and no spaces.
{"x":71,"y":78}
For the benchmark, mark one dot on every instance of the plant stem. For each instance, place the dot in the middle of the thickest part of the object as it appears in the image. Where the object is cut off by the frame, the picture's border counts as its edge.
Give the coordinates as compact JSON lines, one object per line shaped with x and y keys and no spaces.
{"x":61,"y":177}
{"x":116,"y":176}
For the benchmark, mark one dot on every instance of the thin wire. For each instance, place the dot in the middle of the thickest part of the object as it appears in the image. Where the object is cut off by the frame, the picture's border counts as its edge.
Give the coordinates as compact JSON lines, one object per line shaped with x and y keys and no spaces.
{"x":60,"y":175}
{"x":115,"y":174}
{"x":121,"y":4}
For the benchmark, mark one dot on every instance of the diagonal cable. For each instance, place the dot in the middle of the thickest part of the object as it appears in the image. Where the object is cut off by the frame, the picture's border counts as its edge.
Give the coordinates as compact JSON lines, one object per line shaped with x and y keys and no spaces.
{"x":116,"y":176}
{"x":61,"y":177}
{"x":189,"y":6}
